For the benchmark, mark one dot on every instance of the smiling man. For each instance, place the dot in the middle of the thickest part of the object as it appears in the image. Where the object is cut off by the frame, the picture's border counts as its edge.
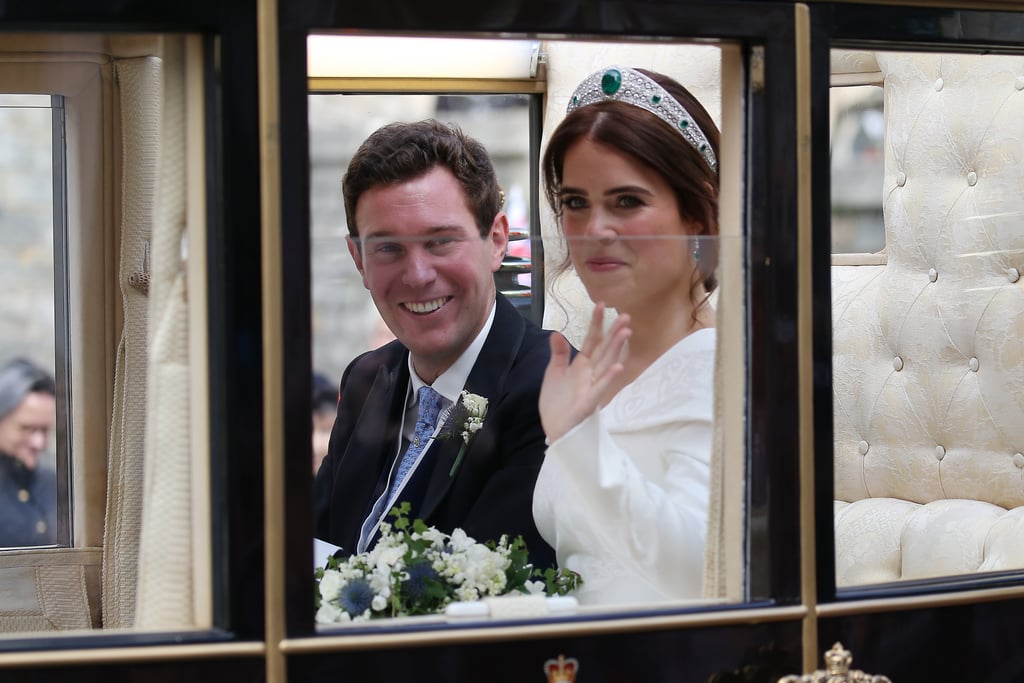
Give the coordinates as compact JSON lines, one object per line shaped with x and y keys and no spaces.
{"x":427,"y":233}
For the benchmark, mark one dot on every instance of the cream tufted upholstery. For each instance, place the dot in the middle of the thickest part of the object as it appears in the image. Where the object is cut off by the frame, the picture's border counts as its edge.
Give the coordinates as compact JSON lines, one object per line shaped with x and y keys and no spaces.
{"x":929,"y":347}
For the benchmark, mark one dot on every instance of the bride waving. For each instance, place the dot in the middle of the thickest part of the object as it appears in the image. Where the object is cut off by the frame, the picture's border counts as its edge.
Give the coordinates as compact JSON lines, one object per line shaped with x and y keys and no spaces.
{"x":622,"y":496}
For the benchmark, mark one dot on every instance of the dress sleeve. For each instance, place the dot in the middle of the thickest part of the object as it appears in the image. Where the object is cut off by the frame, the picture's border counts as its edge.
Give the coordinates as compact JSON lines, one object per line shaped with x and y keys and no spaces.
{"x":644,"y":508}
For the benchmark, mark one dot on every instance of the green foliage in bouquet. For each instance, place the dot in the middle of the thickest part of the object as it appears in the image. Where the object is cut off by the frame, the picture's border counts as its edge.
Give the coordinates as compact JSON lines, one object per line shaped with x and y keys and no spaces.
{"x":415,"y":569}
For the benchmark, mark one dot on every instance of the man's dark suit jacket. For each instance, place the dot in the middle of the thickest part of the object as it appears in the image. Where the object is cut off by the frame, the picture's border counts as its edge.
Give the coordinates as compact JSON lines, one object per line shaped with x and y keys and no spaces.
{"x":491,"y":492}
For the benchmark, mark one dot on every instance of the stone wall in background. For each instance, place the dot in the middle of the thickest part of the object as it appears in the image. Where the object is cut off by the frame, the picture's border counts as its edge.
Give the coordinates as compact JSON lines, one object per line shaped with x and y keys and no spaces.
{"x":26,"y":233}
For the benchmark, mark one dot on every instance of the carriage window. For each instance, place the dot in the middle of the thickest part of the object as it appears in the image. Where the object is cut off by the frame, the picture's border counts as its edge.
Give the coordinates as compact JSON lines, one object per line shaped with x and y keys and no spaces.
{"x":34,"y":483}
{"x":102,"y":207}
{"x":929,"y":427}
{"x":663,"y":439}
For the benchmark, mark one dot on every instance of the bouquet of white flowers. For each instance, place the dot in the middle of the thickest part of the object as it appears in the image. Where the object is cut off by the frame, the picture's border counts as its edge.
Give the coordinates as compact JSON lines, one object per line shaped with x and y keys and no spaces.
{"x":416,"y":569}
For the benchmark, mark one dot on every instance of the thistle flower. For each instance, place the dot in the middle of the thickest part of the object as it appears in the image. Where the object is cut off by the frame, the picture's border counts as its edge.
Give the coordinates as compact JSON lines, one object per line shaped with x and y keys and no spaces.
{"x":356,"y":597}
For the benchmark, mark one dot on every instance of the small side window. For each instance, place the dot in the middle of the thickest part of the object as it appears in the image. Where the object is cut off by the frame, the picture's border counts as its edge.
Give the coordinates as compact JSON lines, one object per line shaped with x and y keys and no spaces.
{"x":34,"y":492}
{"x":858,"y":155}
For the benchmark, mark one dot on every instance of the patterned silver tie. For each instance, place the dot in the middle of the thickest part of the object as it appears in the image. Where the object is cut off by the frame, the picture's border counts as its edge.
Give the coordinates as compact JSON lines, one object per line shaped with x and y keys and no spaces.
{"x":429,"y":406}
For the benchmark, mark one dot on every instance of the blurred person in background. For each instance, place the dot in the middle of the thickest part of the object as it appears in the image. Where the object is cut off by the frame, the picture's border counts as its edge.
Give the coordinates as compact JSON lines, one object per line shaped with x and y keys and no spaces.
{"x":325,"y":409}
{"x":28,"y":491}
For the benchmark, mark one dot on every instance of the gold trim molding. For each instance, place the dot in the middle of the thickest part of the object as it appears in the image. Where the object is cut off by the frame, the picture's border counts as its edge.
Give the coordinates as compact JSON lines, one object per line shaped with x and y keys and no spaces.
{"x":337,"y":642}
{"x":355,"y":85}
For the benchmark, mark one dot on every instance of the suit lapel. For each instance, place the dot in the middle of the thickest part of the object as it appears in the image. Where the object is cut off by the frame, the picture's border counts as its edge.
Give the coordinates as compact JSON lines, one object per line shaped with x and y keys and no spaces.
{"x":487,"y":379}
{"x":372,"y":447}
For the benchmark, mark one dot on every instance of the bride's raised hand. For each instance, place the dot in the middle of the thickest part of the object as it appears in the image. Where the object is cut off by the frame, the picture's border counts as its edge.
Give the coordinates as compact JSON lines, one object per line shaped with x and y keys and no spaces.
{"x":572,"y":390}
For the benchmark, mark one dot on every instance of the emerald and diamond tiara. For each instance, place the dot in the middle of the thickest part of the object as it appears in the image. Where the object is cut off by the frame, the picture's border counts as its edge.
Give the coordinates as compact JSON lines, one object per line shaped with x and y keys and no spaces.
{"x":622,"y":84}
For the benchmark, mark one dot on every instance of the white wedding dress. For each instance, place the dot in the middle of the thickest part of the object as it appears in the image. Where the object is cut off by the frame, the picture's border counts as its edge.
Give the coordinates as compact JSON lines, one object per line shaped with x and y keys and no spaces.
{"x":623,"y":497}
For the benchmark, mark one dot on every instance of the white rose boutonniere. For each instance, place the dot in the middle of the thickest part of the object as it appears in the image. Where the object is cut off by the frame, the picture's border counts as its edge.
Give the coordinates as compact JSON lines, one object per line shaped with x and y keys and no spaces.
{"x":466,"y":419}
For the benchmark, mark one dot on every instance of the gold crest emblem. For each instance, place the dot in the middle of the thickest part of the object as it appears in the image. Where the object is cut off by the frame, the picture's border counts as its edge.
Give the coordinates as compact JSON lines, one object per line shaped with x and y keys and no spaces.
{"x":561,"y":670}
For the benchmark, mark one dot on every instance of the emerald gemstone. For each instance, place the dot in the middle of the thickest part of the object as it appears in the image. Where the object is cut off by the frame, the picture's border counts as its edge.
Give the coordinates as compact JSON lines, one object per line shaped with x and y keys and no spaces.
{"x":655,"y":99}
{"x":611,"y":81}
{"x":684,"y":124}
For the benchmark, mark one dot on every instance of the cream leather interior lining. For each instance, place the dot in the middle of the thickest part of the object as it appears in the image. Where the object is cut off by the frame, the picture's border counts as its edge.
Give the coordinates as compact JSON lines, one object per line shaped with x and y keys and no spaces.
{"x":929,"y":345}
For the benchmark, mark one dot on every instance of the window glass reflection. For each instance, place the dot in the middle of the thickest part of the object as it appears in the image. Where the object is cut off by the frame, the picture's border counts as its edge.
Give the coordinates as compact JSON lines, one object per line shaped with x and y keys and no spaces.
{"x":657,"y":440}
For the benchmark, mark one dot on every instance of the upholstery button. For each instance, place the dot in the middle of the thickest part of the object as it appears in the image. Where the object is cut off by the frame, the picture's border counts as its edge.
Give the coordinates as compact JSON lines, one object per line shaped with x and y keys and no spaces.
{"x":1018,"y":83}
{"x":901,"y":178}
{"x":938,"y":84}
{"x":940,"y":452}
{"x":973,"y":364}
{"x":972,"y":178}
{"x":1018,"y":460}
{"x":897,"y":363}
{"x":933,"y":274}
{"x":863,"y":447}
{"x":1013,"y":274}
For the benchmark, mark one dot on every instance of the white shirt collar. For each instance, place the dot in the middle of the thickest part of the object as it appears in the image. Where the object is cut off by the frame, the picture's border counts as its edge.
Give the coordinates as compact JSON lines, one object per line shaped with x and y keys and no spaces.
{"x":451,"y":382}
